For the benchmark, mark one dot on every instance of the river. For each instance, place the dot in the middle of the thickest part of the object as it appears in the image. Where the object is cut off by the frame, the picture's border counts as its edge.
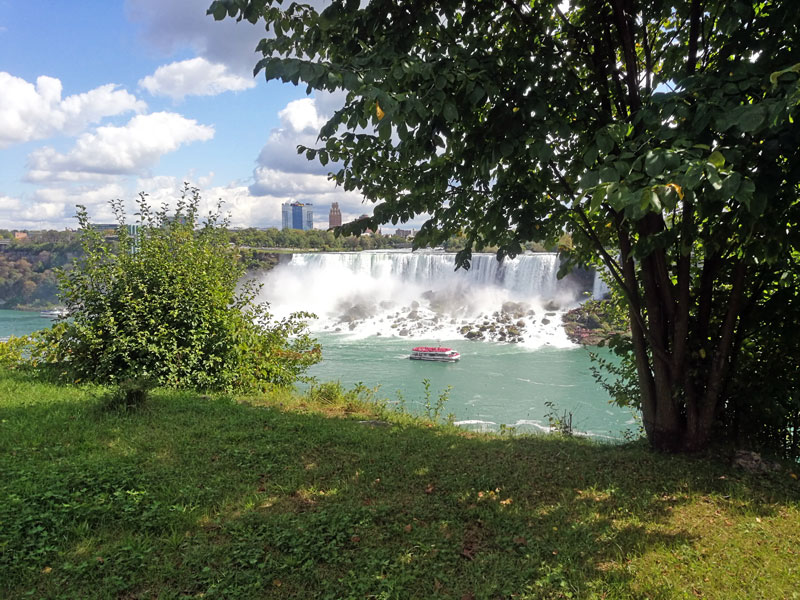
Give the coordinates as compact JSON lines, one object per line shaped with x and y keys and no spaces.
{"x":17,"y":322}
{"x":373,"y":307}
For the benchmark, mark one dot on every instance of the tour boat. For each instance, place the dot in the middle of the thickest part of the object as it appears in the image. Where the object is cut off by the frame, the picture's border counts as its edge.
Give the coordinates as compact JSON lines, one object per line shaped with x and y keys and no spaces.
{"x":54,"y":313}
{"x":438,"y":354}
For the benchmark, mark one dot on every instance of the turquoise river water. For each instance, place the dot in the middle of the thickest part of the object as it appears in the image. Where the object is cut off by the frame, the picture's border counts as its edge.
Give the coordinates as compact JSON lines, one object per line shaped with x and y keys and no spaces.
{"x":373,"y":308}
{"x":492,"y":385}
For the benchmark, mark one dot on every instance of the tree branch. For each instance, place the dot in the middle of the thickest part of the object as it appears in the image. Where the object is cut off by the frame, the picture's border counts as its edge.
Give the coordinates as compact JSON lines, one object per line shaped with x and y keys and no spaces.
{"x":648,"y":58}
{"x":694,"y":35}
{"x":625,"y":31}
{"x":619,"y":99}
{"x":719,"y":362}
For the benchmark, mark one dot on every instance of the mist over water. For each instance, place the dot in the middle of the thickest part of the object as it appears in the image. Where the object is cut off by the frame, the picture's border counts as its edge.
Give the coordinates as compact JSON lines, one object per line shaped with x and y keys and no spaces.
{"x":517,"y":365}
{"x":419,"y":295}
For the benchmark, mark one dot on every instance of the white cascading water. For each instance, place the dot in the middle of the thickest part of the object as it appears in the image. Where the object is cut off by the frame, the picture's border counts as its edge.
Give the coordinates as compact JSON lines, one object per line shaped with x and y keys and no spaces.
{"x":600,"y":288}
{"x":419,"y":295}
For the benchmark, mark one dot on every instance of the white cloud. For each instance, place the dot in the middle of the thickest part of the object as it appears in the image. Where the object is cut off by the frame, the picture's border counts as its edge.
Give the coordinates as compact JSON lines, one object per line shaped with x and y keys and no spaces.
{"x":179,"y":24}
{"x":300,"y":122}
{"x":54,"y":207}
{"x":29,"y":112}
{"x":304,"y":187}
{"x":194,"y":77}
{"x":301,"y":115}
{"x":244,"y":209}
{"x":270,"y":181}
{"x":118,"y":150}
{"x":9,"y":205}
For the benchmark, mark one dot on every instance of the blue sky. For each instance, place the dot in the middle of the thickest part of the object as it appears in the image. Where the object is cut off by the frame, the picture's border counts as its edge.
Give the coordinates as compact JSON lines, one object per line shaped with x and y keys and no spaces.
{"x":104,"y":99}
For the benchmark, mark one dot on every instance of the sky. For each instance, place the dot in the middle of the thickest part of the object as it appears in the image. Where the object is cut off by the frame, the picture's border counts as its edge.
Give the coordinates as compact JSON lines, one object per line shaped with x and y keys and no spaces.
{"x":103,"y":99}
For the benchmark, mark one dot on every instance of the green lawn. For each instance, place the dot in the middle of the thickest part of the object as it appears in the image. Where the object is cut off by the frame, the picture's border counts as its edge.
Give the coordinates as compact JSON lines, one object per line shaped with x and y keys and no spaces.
{"x":205,"y":497}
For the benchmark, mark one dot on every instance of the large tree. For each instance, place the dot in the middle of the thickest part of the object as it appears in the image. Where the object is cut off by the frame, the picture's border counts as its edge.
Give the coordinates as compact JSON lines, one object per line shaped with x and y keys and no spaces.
{"x":661,"y":134}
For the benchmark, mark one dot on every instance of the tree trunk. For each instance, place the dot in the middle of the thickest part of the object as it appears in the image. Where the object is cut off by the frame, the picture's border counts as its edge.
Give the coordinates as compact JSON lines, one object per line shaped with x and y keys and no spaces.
{"x":701,"y":421}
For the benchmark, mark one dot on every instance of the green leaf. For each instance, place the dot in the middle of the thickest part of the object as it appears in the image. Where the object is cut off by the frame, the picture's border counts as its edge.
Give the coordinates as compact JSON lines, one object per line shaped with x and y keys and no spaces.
{"x":654,"y":163}
{"x":730,"y":185}
{"x":751,"y":119}
{"x":614,"y":196}
{"x":384,"y":130}
{"x":717,"y":159}
{"x":713,"y":177}
{"x":773,"y":78}
{"x":651,"y":198}
{"x":604,"y":142}
{"x":450,"y":112}
{"x":745,"y":196}
{"x":694,"y":175}
{"x":590,"y":156}
{"x":608,"y":174}
{"x":598,"y":197}
{"x":758,"y":204}
{"x":477,"y":95}
{"x":219,"y":11}
{"x":589,"y":179}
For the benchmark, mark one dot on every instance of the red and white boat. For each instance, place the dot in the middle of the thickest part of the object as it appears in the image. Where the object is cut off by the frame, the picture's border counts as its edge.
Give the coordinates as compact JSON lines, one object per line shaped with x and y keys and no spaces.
{"x":437,"y":354}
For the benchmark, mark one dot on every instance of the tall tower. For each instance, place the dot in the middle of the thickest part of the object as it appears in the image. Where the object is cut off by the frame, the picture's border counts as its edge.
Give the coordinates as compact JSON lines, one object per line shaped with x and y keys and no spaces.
{"x":297,"y":215}
{"x":335,"y":216}
{"x":286,"y":215}
{"x":307,"y":216}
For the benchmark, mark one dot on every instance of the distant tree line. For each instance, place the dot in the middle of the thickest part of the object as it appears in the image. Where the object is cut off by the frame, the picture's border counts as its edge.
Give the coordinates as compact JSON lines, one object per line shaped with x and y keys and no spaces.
{"x":315,"y":239}
{"x":28,"y":267}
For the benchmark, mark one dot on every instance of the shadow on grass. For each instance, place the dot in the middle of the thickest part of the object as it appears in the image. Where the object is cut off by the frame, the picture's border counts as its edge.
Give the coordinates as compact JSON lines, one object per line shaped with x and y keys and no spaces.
{"x":198,"y":495}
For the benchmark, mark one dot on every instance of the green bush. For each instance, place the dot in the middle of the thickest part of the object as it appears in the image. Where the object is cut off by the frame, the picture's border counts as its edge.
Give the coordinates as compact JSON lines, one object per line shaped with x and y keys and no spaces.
{"x":164,"y":306}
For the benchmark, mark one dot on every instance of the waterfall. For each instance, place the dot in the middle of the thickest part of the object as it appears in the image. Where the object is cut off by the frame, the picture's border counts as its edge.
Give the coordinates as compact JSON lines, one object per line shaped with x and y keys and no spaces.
{"x":420,"y":295}
{"x":599,"y":288}
{"x":531,"y":275}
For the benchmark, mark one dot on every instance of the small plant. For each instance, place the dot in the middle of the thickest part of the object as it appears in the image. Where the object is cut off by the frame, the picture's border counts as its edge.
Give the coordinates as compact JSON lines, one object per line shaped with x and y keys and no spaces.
{"x":13,"y":351}
{"x":400,"y":405}
{"x":327,"y":393}
{"x":333,"y":393}
{"x":131,"y":393}
{"x":434,"y":410}
{"x":559,"y":422}
{"x":508,"y":430}
{"x":35,"y":353}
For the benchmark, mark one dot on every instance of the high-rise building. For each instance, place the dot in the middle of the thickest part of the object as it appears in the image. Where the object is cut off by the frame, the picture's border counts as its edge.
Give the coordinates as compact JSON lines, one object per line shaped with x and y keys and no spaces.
{"x":297,"y":215}
{"x":335,"y":216}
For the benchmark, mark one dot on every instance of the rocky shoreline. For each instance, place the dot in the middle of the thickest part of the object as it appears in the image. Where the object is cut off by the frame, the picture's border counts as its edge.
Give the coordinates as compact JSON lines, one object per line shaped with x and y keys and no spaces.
{"x":437,"y":310}
{"x":593,"y":322}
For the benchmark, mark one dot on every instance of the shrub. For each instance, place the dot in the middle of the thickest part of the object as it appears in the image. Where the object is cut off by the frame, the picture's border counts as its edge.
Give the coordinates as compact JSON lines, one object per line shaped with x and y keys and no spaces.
{"x":163,"y":306}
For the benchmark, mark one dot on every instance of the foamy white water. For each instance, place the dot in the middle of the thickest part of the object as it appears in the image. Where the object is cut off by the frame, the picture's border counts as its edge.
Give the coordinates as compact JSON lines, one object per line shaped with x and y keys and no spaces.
{"x":419,"y":295}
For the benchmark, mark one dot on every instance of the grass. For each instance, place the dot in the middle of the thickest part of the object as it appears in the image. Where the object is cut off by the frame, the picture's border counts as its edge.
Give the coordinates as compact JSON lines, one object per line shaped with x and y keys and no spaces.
{"x":212,"y":497}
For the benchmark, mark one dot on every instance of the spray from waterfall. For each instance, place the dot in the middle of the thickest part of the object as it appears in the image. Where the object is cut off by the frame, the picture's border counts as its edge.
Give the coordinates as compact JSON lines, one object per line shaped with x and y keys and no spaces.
{"x":419,"y":295}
